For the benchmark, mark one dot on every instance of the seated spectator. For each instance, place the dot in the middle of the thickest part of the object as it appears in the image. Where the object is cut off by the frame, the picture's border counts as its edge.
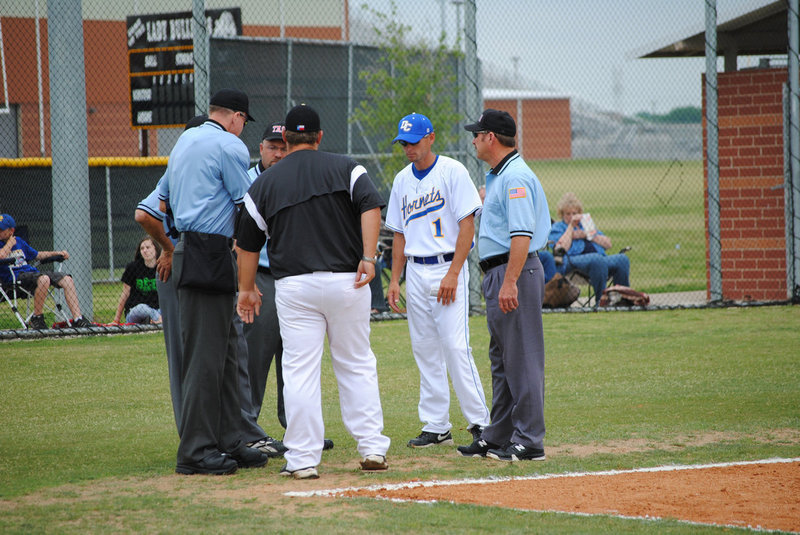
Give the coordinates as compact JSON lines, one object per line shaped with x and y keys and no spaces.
{"x":586,"y":249}
{"x":33,"y":280}
{"x":139,"y":298}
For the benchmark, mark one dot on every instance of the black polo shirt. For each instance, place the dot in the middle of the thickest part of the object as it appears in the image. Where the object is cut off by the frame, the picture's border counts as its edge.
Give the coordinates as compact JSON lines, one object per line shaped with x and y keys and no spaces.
{"x":309,"y":204}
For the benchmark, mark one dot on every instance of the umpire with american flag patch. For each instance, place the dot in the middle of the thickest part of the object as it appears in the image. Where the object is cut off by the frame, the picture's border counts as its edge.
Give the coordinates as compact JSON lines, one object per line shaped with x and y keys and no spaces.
{"x":514,"y":225}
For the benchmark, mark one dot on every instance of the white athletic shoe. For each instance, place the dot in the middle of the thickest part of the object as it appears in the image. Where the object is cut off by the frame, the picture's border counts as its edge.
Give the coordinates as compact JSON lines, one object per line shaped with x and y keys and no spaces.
{"x":310,"y":472}
{"x":374,"y":463}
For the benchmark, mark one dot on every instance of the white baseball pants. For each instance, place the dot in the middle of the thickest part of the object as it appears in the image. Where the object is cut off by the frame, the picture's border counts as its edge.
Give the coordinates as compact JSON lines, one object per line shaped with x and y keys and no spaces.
{"x":309,"y":307}
{"x":440,"y":342}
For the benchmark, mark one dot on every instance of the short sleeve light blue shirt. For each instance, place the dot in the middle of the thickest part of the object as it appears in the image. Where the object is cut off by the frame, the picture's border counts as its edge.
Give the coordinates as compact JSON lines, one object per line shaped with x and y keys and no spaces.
{"x":252,"y":173}
{"x":515,"y":205}
{"x":206,"y":178}
{"x":150,"y":204}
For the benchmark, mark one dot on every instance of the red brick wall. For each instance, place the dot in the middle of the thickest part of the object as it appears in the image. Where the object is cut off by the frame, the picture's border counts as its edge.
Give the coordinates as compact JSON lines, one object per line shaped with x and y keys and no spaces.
{"x":546,"y":127}
{"x":752,"y":222}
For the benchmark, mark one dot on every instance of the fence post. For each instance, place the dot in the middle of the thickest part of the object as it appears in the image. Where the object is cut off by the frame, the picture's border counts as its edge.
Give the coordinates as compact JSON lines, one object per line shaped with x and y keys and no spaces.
{"x":473,"y":105}
{"x":202,"y":91}
{"x":712,"y":154}
{"x":68,"y":136}
{"x":792,"y":195}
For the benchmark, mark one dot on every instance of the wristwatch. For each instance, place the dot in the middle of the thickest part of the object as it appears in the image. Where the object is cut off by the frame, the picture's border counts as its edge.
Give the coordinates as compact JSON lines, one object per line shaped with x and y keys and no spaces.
{"x":370,"y":259}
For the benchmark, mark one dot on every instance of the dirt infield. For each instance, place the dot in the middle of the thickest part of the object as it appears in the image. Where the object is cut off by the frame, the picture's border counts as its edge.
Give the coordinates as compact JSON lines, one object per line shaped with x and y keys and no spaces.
{"x":762,"y":495}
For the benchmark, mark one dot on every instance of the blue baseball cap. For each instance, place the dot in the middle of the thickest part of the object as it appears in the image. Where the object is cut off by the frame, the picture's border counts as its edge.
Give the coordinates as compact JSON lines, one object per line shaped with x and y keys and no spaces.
{"x":412,"y":128}
{"x":6,"y":221}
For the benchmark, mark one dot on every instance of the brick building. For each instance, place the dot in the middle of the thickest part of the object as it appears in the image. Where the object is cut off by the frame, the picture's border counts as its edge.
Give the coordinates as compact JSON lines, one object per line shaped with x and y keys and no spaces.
{"x":544,"y":130}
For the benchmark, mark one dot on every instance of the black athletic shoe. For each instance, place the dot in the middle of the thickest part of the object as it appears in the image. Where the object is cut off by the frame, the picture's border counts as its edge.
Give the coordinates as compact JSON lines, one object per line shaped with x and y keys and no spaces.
{"x":37,"y":322}
{"x":247,"y":457}
{"x":476,"y":431}
{"x":426,"y":439}
{"x":81,"y":322}
{"x":217,"y":464}
{"x":271,"y":446}
{"x":327,"y":444}
{"x":516,"y":452}
{"x":477,"y":449}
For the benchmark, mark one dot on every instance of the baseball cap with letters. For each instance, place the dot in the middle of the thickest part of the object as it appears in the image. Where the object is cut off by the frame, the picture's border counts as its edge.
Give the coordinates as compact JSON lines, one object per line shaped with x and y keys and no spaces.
{"x":273,"y":132}
{"x":233,"y":99}
{"x":302,"y":118}
{"x":412,"y":128}
{"x":499,"y":122}
{"x":6,"y":222}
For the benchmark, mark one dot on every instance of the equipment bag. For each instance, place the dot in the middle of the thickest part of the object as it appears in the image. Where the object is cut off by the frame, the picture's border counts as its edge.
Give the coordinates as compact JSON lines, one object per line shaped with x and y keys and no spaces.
{"x":559,"y":292}
{"x":623,"y":296}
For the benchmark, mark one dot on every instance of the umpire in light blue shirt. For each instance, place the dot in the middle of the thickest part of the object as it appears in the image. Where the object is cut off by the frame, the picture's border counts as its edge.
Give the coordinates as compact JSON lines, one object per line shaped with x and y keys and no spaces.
{"x":514,"y":225}
{"x":206,"y":179}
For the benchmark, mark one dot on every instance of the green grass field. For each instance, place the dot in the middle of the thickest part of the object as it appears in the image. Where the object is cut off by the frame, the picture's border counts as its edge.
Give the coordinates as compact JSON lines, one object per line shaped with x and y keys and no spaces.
{"x":87,"y":439}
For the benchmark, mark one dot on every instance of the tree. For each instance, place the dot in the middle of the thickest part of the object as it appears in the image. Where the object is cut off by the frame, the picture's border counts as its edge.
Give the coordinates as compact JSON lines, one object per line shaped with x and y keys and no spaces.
{"x":407,"y":77}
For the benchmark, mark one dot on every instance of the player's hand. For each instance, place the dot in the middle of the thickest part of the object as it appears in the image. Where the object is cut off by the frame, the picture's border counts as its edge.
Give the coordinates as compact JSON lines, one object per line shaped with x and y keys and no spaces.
{"x":447,"y":289}
{"x":248,"y":306}
{"x":164,"y":265}
{"x":507,"y":297}
{"x":393,"y":297}
{"x":365,"y":273}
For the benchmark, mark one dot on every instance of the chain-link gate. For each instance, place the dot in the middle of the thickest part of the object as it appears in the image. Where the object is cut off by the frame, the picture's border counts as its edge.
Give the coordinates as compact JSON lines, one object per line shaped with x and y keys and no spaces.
{"x":604,"y":131}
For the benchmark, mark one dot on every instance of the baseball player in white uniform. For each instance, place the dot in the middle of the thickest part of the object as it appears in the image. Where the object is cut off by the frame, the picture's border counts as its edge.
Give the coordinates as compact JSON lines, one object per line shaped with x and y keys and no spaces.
{"x":431,"y":211}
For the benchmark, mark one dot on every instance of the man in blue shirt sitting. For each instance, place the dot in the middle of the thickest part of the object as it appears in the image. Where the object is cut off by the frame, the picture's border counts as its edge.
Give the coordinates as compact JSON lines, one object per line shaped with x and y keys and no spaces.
{"x":33,"y":280}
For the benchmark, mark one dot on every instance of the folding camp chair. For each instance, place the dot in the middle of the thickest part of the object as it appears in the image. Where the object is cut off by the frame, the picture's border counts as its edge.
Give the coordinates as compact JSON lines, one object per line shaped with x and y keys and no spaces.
{"x":580,"y":278}
{"x":14,"y":292}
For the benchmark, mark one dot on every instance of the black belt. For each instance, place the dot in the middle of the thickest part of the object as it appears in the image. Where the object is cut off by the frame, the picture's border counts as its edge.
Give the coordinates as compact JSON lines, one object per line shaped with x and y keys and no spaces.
{"x":438,"y":259}
{"x":499,"y":260}
{"x":262,"y":269}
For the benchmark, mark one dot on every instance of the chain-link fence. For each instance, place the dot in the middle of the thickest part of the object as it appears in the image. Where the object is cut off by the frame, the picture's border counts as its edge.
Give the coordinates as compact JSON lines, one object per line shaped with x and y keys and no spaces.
{"x":623,"y":133}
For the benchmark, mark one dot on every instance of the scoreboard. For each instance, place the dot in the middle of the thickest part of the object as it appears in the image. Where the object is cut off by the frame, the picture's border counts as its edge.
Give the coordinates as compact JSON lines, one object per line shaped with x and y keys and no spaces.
{"x":161,"y":64}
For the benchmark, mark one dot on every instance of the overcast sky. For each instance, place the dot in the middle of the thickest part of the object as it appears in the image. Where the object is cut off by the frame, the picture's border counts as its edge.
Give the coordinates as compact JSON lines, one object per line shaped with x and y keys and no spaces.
{"x":583,"y":48}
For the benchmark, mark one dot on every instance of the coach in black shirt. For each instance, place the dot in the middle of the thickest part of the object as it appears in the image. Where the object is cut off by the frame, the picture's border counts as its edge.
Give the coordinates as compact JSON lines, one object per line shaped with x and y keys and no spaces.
{"x":321,"y":212}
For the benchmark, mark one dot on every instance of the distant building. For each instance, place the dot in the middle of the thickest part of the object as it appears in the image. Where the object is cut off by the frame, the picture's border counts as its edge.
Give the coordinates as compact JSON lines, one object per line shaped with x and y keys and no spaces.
{"x":544,"y":130}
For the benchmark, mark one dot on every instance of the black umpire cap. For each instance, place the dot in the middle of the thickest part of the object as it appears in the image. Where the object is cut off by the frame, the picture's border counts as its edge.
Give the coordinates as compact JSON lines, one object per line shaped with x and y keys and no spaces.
{"x":233,"y":99}
{"x":499,"y":122}
{"x":273,"y":132}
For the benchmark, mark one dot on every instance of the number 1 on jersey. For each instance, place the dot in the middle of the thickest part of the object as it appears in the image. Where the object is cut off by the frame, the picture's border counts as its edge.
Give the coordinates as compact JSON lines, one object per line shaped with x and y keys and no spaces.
{"x":438,"y":228}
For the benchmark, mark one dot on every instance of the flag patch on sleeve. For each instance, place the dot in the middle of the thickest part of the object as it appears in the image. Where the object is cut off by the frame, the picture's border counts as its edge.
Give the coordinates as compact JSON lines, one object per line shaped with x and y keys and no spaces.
{"x":516,"y":193}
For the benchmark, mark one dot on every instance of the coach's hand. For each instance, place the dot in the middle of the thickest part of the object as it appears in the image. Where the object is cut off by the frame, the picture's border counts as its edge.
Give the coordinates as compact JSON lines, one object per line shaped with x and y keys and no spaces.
{"x":248,"y":305}
{"x":365,"y":273}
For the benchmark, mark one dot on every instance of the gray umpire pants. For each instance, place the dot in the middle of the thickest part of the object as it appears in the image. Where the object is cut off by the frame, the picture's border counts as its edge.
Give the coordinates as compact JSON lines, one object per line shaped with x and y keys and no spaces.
{"x":264,"y":345}
{"x":171,"y":324}
{"x":516,"y":353}
{"x":251,"y":431}
{"x":211,"y":419}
